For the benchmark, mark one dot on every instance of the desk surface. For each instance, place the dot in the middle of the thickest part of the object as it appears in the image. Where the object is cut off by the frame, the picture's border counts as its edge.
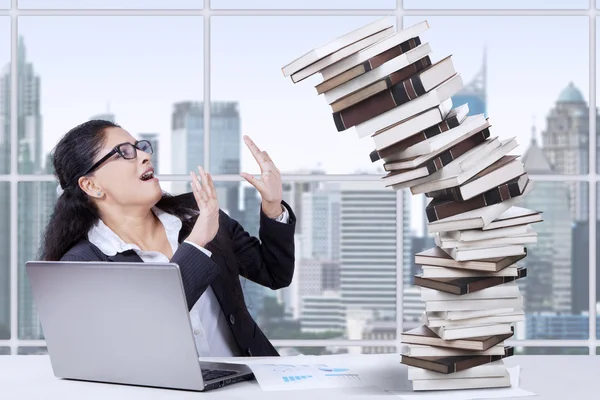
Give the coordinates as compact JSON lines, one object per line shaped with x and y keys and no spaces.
{"x":551,"y":377}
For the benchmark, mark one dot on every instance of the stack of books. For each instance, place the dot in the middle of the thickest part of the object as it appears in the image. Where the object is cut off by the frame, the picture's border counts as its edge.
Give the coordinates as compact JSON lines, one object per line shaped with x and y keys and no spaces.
{"x":388,"y":86}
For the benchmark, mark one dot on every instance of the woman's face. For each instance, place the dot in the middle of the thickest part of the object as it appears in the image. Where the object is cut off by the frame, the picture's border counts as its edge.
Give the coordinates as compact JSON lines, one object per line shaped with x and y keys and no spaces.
{"x":122,"y":181}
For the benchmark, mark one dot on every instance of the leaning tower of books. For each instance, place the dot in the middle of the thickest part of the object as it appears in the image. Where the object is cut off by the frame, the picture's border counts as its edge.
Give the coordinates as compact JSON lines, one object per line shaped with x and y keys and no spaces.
{"x":383,"y":84}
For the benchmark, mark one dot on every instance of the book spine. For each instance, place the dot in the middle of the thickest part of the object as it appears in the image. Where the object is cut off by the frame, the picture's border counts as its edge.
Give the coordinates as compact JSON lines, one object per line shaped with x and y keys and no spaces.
{"x":481,"y":284}
{"x":448,"y":208}
{"x":394,"y":52}
{"x":386,"y":100}
{"x":428,"y":133}
{"x":493,"y":196}
{"x":456,"y":151}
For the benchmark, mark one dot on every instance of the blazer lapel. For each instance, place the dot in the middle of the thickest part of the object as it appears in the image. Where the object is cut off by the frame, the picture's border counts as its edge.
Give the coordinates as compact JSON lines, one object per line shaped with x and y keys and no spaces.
{"x":126,"y":256}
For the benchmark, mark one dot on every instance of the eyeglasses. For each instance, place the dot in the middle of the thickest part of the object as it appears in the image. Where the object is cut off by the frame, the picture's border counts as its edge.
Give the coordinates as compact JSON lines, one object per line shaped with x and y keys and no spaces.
{"x":126,"y":150}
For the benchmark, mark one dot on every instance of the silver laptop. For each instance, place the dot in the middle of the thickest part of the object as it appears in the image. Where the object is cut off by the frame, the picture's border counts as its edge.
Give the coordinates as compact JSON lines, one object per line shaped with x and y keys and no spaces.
{"x":125,"y":323}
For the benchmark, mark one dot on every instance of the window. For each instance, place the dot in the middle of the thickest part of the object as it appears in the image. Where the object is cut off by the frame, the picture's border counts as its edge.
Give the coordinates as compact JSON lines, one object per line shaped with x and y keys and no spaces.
{"x":198,"y":78}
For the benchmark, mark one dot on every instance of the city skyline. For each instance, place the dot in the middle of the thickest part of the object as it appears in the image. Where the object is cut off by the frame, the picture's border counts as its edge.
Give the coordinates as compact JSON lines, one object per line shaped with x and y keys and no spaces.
{"x":120,"y":78}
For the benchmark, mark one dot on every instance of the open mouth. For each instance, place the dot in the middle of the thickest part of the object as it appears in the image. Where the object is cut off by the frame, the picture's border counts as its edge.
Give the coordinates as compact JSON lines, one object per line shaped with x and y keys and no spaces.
{"x":146,"y":176}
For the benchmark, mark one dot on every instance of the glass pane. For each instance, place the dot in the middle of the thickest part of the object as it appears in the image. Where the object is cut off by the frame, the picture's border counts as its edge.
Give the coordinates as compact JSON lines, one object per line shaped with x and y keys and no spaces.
{"x":4,"y":3}
{"x":4,"y":351}
{"x":305,"y":4}
{"x":329,"y":350}
{"x":344,"y":284}
{"x":5,"y":95}
{"x":525,"y":94}
{"x":112,"y":4}
{"x":36,"y":203}
{"x":555,"y":290}
{"x":547,"y":351}
{"x":5,"y":260}
{"x":497,"y":4}
{"x":288,"y":121}
{"x":32,"y":351}
{"x":138,"y":92}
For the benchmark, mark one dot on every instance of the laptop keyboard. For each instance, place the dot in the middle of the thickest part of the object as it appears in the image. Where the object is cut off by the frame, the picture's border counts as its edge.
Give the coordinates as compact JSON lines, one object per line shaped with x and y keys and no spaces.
{"x":210,"y":374}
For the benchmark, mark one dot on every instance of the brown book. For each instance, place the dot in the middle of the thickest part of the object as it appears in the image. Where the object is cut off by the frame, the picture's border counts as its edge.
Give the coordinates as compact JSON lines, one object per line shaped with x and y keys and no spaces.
{"x":450,"y":364}
{"x":439,"y":258}
{"x":455,"y":193}
{"x":453,"y":119}
{"x":368,"y":65}
{"x":425,"y":336}
{"x":441,"y":207}
{"x":380,"y":96}
{"x":461,"y":286}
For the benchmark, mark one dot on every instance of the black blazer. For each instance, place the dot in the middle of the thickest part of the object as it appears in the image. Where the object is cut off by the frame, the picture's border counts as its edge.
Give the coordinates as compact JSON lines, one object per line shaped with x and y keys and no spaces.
{"x":268,"y":262}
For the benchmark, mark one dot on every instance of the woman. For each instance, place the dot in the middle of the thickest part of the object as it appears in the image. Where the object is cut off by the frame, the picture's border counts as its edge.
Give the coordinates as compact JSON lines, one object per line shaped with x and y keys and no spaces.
{"x":112,"y":209}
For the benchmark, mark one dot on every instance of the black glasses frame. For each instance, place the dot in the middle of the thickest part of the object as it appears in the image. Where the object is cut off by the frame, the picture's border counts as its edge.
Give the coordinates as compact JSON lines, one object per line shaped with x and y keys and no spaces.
{"x":121,"y":153}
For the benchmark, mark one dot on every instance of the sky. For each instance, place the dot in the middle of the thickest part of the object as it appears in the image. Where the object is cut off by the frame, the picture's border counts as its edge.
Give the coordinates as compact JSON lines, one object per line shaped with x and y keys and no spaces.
{"x":137,"y":67}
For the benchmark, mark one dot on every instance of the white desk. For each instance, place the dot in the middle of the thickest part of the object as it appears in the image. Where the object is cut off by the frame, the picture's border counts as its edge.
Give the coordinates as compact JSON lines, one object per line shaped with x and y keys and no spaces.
{"x":551,"y":377}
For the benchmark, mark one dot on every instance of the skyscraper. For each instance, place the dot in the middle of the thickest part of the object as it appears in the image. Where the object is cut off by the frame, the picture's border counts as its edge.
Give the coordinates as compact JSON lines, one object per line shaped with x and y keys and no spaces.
{"x":187,"y":146}
{"x":565,"y":143}
{"x":153,"y":139}
{"x":368,"y":248}
{"x":548,"y":284}
{"x":32,"y":211}
{"x":475,"y":92}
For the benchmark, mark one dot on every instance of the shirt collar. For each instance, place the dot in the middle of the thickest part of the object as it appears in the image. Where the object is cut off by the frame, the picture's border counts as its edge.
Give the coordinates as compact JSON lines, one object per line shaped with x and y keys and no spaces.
{"x":110,"y":243}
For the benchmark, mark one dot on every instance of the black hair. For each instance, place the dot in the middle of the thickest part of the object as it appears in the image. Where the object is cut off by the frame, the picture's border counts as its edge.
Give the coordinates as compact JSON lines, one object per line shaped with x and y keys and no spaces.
{"x":74,"y":212}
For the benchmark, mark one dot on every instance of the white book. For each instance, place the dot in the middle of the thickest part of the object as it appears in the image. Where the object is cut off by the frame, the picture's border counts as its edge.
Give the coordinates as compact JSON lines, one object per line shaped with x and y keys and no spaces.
{"x":471,"y":126}
{"x":454,"y":333}
{"x":505,"y":290}
{"x":464,"y":170}
{"x":473,"y":305}
{"x":453,"y":168}
{"x":372,"y":51}
{"x":478,"y":218}
{"x":443,"y":272}
{"x":429,"y":100}
{"x":471,"y":235}
{"x":462,"y":383}
{"x":419,"y":350}
{"x":415,"y":124}
{"x":430,"y":319}
{"x":493,"y":369}
{"x":462,"y":315}
{"x":376,"y":74}
{"x":514,"y":216}
{"x":485,"y":252}
{"x":341,"y":54}
{"x":447,"y":242}
{"x":332,"y":46}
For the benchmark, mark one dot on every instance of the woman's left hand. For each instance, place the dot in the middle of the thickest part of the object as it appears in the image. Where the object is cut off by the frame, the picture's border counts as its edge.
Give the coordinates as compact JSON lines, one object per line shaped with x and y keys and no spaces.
{"x":269,"y":184}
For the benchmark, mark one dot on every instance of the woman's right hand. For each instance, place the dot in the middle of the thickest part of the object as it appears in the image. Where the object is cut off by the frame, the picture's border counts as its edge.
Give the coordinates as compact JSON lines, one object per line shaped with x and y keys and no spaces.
{"x":206,"y":226}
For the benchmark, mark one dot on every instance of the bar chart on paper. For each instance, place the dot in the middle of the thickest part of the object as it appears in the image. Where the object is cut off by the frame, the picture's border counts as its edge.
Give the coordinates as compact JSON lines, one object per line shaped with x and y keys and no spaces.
{"x":303,"y":376}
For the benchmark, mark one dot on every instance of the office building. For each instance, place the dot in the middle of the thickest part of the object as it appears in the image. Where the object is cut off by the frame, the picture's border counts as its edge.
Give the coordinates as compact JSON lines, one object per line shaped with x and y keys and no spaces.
{"x":368,"y":248}
{"x":474,"y":93}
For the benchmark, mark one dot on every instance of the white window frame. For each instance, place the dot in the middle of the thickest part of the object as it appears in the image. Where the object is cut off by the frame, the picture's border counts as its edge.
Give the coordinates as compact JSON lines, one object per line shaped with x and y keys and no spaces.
{"x":592,"y":178}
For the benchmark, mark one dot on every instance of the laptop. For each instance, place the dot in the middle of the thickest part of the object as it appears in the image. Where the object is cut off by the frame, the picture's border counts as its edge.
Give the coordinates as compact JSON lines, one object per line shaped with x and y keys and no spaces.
{"x":125,"y":323}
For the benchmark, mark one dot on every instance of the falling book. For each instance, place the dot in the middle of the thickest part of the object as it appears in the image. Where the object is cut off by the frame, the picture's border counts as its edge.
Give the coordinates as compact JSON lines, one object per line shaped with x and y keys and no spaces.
{"x":425,"y":336}
{"x":461,"y":286}
{"x":383,"y":95}
{"x":417,"y":350}
{"x":341,"y":54}
{"x":359,"y":58}
{"x":368,"y":65}
{"x":440,"y":208}
{"x":449,"y":365}
{"x":438,"y":257}
{"x":429,"y":100}
{"x":479,"y":234}
{"x":377,"y":74}
{"x":514,"y":216}
{"x":432,"y":320}
{"x":336,"y":44}
{"x":429,"y":124}
{"x":447,"y":242}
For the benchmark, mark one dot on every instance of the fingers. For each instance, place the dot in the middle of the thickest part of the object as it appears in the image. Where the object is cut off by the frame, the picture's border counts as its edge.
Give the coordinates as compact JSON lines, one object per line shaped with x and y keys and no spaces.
{"x":252,"y":180}
{"x":207,"y":186}
{"x":199,"y":190}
